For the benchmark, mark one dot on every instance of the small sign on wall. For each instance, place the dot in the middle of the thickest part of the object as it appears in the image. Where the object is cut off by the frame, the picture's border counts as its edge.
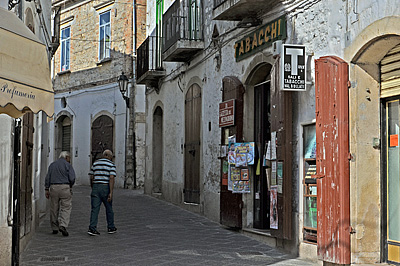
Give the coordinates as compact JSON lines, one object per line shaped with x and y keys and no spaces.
{"x":227,"y":113}
{"x":293,"y":67}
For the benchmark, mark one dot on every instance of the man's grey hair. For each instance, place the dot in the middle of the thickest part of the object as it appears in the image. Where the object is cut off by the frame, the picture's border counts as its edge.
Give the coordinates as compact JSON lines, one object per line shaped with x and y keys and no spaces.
{"x":107,"y":153}
{"x":64,"y":154}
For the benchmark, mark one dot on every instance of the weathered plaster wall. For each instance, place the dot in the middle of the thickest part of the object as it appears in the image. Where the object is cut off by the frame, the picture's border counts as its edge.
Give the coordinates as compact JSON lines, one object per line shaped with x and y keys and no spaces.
{"x":6,"y":173}
{"x":85,"y":45}
{"x":84,"y":106}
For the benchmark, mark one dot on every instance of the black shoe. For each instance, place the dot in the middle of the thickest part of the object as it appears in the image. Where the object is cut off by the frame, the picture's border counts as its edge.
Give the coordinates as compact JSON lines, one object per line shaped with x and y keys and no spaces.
{"x":93,"y":232}
{"x":63,"y":230}
{"x":112,"y":230}
{"x":55,"y":232}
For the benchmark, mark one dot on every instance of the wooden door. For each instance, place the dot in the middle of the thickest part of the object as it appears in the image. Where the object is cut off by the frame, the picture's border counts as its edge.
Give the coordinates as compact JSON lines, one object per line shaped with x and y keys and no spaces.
{"x":333,"y":167}
{"x":26,"y":189}
{"x":102,"y":136}
{"x":192,"y":144}
{"x":231,"y":203}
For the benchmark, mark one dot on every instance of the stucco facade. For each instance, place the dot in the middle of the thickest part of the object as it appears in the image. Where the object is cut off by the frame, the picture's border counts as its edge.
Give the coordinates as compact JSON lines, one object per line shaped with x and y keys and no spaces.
{"x":359,"y":32}
{"x":88,"y":88}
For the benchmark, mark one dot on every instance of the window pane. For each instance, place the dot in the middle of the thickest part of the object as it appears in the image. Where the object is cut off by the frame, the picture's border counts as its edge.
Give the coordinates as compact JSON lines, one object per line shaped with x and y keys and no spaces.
{"x":393,"y":171}
{"x":65,"y":48}
{"x":310,"y":143}
{"x":310,"y":212}
{"x":104,"y":18}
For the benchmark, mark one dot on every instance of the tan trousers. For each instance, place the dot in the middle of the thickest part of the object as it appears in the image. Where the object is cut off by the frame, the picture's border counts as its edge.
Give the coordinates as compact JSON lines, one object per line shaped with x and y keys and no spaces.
{"x":60,"y":205}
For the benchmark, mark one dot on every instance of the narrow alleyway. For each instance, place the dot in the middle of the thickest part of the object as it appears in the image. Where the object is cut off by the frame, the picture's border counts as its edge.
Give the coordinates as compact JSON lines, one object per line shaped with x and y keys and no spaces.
{"x":150,"y":232}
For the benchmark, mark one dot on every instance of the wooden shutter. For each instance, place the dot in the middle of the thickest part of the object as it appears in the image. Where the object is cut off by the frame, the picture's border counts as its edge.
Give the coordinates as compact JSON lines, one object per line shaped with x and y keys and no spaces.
{"x":333,"y":168}
{"x":390,"y":73}
{"x":231,"y":203}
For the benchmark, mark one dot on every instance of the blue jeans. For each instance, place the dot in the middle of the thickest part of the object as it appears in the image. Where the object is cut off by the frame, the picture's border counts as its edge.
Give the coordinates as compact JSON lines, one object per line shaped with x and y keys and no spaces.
{"x":99,"y":195}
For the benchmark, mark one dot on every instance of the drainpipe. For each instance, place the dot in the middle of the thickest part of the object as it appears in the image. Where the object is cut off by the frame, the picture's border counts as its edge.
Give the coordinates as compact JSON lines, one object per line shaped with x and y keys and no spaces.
{"x":16,"y":194}
{"x":134,"y":91}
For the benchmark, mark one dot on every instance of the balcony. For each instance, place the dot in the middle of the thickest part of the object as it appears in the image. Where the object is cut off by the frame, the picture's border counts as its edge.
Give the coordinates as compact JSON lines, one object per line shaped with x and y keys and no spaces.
{"x":149,"y":68}
{"x":182,"y":32}
{"x":241,"y":9}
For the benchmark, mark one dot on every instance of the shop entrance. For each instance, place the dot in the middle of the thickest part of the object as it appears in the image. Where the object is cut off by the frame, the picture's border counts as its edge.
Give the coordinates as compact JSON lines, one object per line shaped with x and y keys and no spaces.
{"x":262,"y":132}
{"x":390,"y":88}
{"x":393,"y":178}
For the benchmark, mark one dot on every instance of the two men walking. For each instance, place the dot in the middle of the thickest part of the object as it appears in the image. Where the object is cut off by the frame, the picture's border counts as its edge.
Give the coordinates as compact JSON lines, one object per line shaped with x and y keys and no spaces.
{"x":58,"y":185}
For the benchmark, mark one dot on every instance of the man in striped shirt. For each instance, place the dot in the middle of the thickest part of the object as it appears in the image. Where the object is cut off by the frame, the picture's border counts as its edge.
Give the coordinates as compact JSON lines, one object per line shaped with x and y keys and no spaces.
{"x":102,"y":178}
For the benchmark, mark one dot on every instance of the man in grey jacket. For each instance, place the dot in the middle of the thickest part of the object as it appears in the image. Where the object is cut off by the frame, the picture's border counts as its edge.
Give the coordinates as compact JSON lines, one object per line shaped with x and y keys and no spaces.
{"x":58,"y":184}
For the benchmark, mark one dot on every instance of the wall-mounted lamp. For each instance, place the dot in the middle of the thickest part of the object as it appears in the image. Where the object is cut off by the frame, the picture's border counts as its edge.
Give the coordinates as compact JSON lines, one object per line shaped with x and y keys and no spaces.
{"x":248,"y":22}
{"x":123,"y":87}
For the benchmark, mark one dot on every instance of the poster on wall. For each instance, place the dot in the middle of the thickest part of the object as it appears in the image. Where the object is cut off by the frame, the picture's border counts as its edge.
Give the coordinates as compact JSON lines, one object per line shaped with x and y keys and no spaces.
{"x":273,"y":173}
{"x":244,"y":174}
{"x":273,"y":217}
{"x":241,"y":186}
{"x":231,"y":142}
{"x":273,"y":145}
{"x":235,"y":174}
{"x":247,"y":148}
{"x":279,"y":176}
{"x":230,"y":182}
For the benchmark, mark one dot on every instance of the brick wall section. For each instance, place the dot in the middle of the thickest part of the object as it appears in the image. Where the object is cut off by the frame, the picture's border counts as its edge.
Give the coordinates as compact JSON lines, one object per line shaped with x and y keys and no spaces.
{"x":84,"y":66}
{"x":141,"y":21}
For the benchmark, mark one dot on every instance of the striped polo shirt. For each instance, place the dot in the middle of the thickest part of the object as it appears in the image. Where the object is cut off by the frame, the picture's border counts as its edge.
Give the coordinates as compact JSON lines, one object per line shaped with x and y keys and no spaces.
{"x":101,"y":171}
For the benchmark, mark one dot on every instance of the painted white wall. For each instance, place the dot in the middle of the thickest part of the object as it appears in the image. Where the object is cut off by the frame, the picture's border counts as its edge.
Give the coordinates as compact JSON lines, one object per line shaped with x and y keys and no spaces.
{"x":6,"y":174}
{"x":84,"y":105}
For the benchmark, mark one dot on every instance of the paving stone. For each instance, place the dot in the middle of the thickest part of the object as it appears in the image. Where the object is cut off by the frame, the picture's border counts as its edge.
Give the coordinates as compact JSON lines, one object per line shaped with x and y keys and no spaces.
{"x":150,"y":232}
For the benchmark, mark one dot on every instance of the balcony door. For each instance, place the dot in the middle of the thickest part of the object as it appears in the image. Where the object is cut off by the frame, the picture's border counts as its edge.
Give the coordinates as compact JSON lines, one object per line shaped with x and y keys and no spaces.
{"x":195,"y":23}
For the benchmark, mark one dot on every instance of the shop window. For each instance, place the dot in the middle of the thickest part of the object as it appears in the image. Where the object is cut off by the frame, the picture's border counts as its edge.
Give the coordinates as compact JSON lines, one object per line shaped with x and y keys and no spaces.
{"x":309,"y":184}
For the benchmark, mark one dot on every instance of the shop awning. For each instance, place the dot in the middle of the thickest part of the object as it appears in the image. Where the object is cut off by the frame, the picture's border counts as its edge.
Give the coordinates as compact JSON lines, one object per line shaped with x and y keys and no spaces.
{"x":25,"y":83}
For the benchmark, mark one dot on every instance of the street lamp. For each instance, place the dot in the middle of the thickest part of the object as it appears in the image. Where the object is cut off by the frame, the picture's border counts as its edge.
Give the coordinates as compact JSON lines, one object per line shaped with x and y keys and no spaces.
{"x":123,"y":87}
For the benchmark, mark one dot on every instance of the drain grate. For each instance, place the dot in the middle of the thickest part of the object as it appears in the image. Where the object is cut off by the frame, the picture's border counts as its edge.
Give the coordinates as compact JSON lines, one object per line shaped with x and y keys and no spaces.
{"x":53,"y":259}
{"x":250,"y":253}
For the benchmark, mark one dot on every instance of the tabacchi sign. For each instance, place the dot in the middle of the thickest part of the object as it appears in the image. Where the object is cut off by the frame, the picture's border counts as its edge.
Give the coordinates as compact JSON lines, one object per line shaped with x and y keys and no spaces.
{"x":261,"y":38}
{"x":227,"y":113}
{"x":293,"y":67}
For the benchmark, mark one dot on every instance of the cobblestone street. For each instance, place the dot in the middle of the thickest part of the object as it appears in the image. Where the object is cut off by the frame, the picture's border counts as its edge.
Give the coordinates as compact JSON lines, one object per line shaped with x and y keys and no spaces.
{"x":150,"y":232}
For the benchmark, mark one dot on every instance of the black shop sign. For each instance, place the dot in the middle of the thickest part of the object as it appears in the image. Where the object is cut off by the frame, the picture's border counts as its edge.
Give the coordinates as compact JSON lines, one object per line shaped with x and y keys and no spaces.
{"x":293,"y":67}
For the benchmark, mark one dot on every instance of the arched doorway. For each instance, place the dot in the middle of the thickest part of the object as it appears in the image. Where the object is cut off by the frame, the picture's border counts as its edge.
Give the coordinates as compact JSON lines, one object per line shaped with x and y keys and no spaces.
{"x":192,"y":144}
{"x":259,"y":79}
{"x":157,"y":150}
{"x":102,"y":136}
{"x":373,"y":169}
{"x":390,"y":93}
{"x":63,"y":134}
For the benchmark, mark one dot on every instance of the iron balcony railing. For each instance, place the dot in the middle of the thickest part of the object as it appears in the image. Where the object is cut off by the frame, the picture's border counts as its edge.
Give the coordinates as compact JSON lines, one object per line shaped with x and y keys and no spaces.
{"x":149,"y":56}
{"x":182,"y":23}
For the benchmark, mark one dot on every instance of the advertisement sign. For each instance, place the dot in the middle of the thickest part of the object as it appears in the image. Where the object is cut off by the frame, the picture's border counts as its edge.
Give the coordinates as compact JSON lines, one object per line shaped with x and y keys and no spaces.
{"x":273,"y":208}
{"x":260,"y":38}
{"x":227,"y":113}
{"x":293,"y":67}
